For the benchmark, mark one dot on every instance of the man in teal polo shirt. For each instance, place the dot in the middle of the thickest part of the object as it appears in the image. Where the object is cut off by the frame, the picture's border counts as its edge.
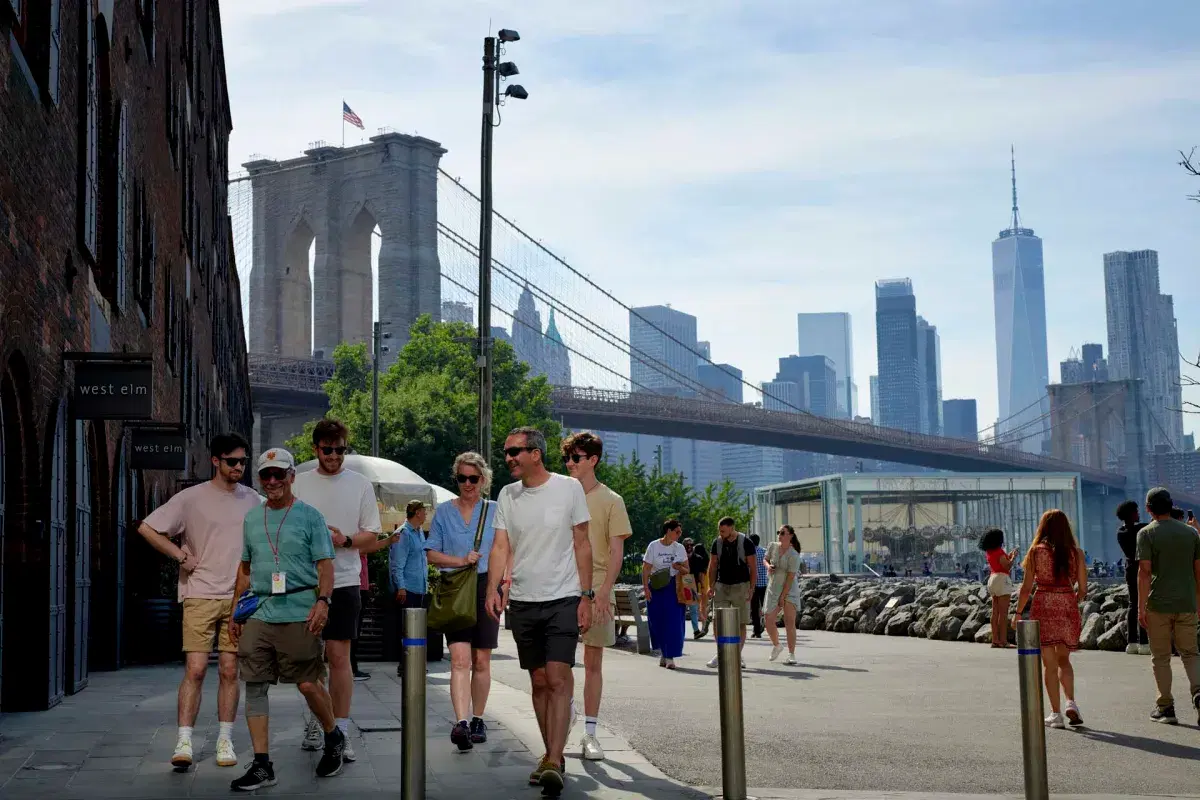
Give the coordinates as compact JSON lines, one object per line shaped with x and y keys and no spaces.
{"x":287,"y":563}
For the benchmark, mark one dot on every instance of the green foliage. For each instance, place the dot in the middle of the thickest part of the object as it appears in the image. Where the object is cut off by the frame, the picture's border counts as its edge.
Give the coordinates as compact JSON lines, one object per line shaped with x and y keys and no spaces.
{"x":428,"y":402}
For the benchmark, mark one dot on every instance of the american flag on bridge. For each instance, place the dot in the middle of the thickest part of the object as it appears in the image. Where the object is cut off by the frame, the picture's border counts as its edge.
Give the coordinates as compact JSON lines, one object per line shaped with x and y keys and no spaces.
{"x":351,"y":117}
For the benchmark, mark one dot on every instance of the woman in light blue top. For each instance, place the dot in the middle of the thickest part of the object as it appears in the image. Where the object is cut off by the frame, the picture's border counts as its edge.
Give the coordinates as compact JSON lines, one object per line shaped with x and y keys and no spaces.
{"x":451,"y":545}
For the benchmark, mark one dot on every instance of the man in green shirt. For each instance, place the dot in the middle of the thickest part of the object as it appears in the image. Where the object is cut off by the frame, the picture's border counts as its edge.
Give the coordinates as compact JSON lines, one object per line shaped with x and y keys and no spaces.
{"x":287,"y":564}
{"x":1168,"y":553}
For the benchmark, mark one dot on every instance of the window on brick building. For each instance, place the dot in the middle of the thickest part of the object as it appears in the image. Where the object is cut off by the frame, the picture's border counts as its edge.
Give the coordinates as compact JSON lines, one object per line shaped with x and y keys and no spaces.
{"x":170,"y":334}
{"x":95,"y":66}
{"x":146,"y":11}
{"x":18,"y":20}
{"x":144,"y":253}
{"x":121,"y":217}
{"x":35,"y":29}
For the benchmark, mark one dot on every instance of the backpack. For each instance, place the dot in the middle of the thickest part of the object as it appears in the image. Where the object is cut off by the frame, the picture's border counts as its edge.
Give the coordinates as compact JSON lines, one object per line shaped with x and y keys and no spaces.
{"x":740,"y":544}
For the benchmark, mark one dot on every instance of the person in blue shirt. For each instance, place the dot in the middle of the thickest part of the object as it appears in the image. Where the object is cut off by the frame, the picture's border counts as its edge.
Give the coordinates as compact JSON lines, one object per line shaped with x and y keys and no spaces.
{"x":408,"y":567}
{"x":451,"y":545}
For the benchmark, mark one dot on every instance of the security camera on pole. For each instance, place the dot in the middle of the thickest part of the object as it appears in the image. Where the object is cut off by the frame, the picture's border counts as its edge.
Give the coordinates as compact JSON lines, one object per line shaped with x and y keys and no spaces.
{"x":493,"y":72}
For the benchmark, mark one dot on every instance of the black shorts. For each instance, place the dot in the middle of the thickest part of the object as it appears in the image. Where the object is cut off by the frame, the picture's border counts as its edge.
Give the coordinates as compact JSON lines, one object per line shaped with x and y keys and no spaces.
{"x":344,"y":607}
{"x":485,"y":633}
{"x":546,"y":631}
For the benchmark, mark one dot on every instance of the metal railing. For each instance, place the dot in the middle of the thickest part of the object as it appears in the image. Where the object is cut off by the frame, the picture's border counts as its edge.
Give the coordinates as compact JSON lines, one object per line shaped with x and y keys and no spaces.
{"x":280,"y":372}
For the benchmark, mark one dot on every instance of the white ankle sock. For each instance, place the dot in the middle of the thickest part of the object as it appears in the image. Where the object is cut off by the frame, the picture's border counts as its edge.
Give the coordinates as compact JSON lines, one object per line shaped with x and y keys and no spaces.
{"x":343,"y":724}
{"x":589,"y":725}
{"x":226,"y":731}
{"x":185,"y":732}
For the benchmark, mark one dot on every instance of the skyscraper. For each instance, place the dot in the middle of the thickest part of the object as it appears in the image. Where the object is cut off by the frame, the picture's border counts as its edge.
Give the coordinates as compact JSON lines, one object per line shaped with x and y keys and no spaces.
{"x":1142,"y":339}
{"x":724,"y":379}
{"x":458,"y":311}
{"x":960,"y":420}
{"x":874,"y":387}
{"x":555,"y":358}
{"x":664,"y":347}
{"x":929,"y":368}
{"x":816,"y":384}
{"x":896,"y":347}
{"x":1022,"y":363}
{"x":544,"y":352}
{"x":829,"y":334}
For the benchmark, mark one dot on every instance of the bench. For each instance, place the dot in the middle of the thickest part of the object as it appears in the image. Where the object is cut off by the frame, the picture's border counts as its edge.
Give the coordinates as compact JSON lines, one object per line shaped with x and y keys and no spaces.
{"x":630,"y":610}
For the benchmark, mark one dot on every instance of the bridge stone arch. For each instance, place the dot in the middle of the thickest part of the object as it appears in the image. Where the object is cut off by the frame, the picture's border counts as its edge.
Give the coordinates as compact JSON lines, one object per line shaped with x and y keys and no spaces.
{"x":339,"y":195}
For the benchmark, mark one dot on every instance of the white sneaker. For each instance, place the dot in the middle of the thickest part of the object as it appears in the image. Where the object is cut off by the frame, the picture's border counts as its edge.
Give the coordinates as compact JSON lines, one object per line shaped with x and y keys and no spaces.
{"x":226,"y":755}
{"x":182,"y":758}
{"x":314,"y":737}
{"x":348,"y":751}
{"x":790,"y":660}
{"x":743,"y":663}
{"x":592,"y":751}
{"x":775,"y":651}
{"x":1072,"y":713}
{"x":1144,"y":649}
{"x":1055,"y":720}
{"x":712,"y":662}
{"x":1132,"y":649}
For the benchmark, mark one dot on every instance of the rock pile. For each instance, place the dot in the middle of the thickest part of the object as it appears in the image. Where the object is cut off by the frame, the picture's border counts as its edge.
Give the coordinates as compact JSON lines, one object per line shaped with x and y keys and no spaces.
{"x":947,"y":610}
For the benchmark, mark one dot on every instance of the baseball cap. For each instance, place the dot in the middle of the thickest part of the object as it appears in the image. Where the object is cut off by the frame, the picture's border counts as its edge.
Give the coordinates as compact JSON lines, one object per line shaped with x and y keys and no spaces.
{"x":277,"y":458}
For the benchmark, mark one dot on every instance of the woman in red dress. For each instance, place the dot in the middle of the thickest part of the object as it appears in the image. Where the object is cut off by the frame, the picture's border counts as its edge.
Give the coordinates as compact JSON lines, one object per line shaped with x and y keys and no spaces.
{"x":1055,"y":564}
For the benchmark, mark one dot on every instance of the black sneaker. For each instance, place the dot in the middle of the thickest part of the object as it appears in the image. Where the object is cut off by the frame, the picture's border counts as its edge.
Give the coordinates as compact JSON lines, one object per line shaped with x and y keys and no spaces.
{"x":359,"y":675}
{"x":460,"y":735}
{"x":478,"y":731}
{"x":1196,"y":705}
{"x":331,"y":759}
{"x":259,"y":776}
{"x":1165,"y":715}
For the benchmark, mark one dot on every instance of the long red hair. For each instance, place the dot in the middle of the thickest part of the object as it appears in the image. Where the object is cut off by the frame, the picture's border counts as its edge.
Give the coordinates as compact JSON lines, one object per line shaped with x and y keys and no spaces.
{"x":1054,"y":532}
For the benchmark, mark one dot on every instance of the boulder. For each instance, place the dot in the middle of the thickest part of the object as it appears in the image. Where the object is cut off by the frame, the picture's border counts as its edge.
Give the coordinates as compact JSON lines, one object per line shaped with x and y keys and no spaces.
{"x":844,"y":625}
{"x":984,"y":635}
{"x":962,"y":612}
{"x":806,"y":623}
{"x":866,"y":623}
{"x":947,"y":629}
{"x":1110,"y":605}
{"x":967,"y":632}
{"x":1091,"y":632}
{"x":1089,"y":608}
{"x":1113,"y":639}
{"x":899,"y":623}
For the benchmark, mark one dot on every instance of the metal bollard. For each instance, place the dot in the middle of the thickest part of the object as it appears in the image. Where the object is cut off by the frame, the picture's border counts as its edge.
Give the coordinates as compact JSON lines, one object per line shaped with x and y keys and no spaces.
{"x":1033,"y":730}
{"x":412,"y":724}
{"x":729,"y":673}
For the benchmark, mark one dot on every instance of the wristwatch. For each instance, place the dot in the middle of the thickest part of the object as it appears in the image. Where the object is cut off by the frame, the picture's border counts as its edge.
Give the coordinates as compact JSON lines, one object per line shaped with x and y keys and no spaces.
{"x":589,"y":594}
{"x":325,"y":599}
{"x":347,"y":543}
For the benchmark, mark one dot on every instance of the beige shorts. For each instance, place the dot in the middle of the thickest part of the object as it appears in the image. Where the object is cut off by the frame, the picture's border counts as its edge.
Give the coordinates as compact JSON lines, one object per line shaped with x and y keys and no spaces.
{"x":280,"y":652}
{"x":205,"y":621}
{"x":999,"y":584}
{"x":604,"y":634}
{"x":734,"y":595}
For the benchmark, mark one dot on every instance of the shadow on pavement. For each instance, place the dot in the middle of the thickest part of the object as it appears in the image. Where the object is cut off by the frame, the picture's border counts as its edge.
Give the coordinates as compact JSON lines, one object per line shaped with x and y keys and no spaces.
{"x":832,"y":668}
{"x":593,"y":777}
{"x":1146,"y":745}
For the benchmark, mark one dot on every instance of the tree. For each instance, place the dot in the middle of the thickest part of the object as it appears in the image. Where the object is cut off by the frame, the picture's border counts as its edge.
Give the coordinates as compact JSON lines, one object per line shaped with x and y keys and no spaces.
{"x":428,"y":401}
{"x":1192,"y":165}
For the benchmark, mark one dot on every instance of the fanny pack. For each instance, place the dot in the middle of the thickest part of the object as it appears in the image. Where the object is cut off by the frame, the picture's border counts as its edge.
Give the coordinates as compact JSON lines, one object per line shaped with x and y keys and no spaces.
{"x":247,"y":604}
{"x":660,"y":578}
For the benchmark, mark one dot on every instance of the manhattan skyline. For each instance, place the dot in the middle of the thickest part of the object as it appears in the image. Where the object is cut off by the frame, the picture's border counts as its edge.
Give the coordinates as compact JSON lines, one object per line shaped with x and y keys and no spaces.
{"x":609,"y":162}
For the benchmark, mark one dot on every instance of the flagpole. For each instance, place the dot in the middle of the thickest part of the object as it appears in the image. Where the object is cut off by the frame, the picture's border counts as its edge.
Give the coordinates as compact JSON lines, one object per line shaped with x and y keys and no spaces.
{"x":343,"y":124}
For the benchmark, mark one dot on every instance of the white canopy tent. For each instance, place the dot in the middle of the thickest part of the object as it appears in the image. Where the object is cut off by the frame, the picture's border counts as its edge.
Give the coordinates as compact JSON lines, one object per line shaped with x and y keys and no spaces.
{"x":395,"y":484}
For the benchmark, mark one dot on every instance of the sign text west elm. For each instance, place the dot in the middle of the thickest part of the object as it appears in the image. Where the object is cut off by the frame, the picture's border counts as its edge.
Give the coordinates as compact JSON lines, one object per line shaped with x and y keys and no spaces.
{"x":113,"y":390}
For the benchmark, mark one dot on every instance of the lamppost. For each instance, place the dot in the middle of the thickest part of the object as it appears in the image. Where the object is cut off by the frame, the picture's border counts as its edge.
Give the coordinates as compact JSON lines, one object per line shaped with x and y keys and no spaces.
{"x":493,"y":72}
{"x":377,"y":349}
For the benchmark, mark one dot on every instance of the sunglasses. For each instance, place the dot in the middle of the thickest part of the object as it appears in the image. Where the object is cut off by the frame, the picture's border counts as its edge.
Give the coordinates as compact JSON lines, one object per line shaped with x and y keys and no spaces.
{"x":513,"y":452}
{"x":472,"y":479}
{"x":272,"y":475}
{"x":341,"y":451}
{"x":575,"y":458}
{"x":235,"y":462}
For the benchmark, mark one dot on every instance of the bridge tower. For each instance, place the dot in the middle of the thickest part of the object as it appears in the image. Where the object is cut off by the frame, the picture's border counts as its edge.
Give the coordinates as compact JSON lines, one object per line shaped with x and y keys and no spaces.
{"x":336,"y":196}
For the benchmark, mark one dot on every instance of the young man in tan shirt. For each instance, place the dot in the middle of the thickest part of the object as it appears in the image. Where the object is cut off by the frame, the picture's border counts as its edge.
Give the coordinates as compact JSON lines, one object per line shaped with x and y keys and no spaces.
{"x":608,"y":530}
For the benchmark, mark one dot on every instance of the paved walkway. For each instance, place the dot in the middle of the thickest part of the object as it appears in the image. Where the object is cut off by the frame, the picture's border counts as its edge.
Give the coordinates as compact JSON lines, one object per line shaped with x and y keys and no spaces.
{"x":115,"y":738}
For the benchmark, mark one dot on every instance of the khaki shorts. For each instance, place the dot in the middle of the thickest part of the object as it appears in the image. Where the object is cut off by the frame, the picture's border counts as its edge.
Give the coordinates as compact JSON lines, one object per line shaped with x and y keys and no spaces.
{"x":604,"y":634}
{"x":734,"y":595}
{"x":285,"y":652}
{"x":203,"y":617}
{"x":999,"y":584}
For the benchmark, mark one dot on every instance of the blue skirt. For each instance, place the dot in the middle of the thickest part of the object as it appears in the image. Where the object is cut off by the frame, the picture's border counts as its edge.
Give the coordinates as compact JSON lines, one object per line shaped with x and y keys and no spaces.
{"x":666,"y":617}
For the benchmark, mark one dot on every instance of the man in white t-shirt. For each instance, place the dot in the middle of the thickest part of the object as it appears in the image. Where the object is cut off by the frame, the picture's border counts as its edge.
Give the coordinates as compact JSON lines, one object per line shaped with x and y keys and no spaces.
{"x":207,"y":518}
{"x":347,"y":501}
{"x":542,"y":530}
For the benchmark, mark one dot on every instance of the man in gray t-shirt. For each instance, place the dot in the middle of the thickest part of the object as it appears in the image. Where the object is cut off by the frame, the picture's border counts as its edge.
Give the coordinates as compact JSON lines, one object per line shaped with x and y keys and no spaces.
{"x":1168,"y":553}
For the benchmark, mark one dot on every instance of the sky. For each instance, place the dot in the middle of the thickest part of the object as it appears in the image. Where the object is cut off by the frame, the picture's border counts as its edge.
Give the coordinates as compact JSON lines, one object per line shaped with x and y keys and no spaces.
{"x":748,"y":160}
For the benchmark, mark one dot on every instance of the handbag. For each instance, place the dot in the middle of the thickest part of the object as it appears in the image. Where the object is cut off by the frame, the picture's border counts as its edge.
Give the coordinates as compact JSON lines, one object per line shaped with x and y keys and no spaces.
{"x":660,"y":579}
{"x":685,"y":590}
{"x":452,"y":601}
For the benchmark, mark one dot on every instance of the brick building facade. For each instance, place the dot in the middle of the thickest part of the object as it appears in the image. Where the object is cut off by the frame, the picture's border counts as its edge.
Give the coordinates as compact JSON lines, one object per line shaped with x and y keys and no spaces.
{"x":114,"y":238}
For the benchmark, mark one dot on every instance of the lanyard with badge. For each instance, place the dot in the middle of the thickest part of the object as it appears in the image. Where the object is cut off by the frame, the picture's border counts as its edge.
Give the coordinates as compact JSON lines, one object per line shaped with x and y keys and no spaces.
{"x":278,"y":577}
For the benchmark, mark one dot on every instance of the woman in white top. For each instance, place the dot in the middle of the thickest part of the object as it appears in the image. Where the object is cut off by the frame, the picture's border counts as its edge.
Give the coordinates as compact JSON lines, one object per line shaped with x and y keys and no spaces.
{"x":665,"y":560}
{"x":783,"y":591}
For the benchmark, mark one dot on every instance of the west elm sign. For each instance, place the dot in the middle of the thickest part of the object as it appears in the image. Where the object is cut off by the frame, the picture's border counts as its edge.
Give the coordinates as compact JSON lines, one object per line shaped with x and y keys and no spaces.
{"x":152,"y":448}
{"x":113,"y":390}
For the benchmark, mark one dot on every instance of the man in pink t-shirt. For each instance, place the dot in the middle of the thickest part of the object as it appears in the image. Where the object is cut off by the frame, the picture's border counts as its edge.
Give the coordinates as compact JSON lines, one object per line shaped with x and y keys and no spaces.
{"x":207,"y":519}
